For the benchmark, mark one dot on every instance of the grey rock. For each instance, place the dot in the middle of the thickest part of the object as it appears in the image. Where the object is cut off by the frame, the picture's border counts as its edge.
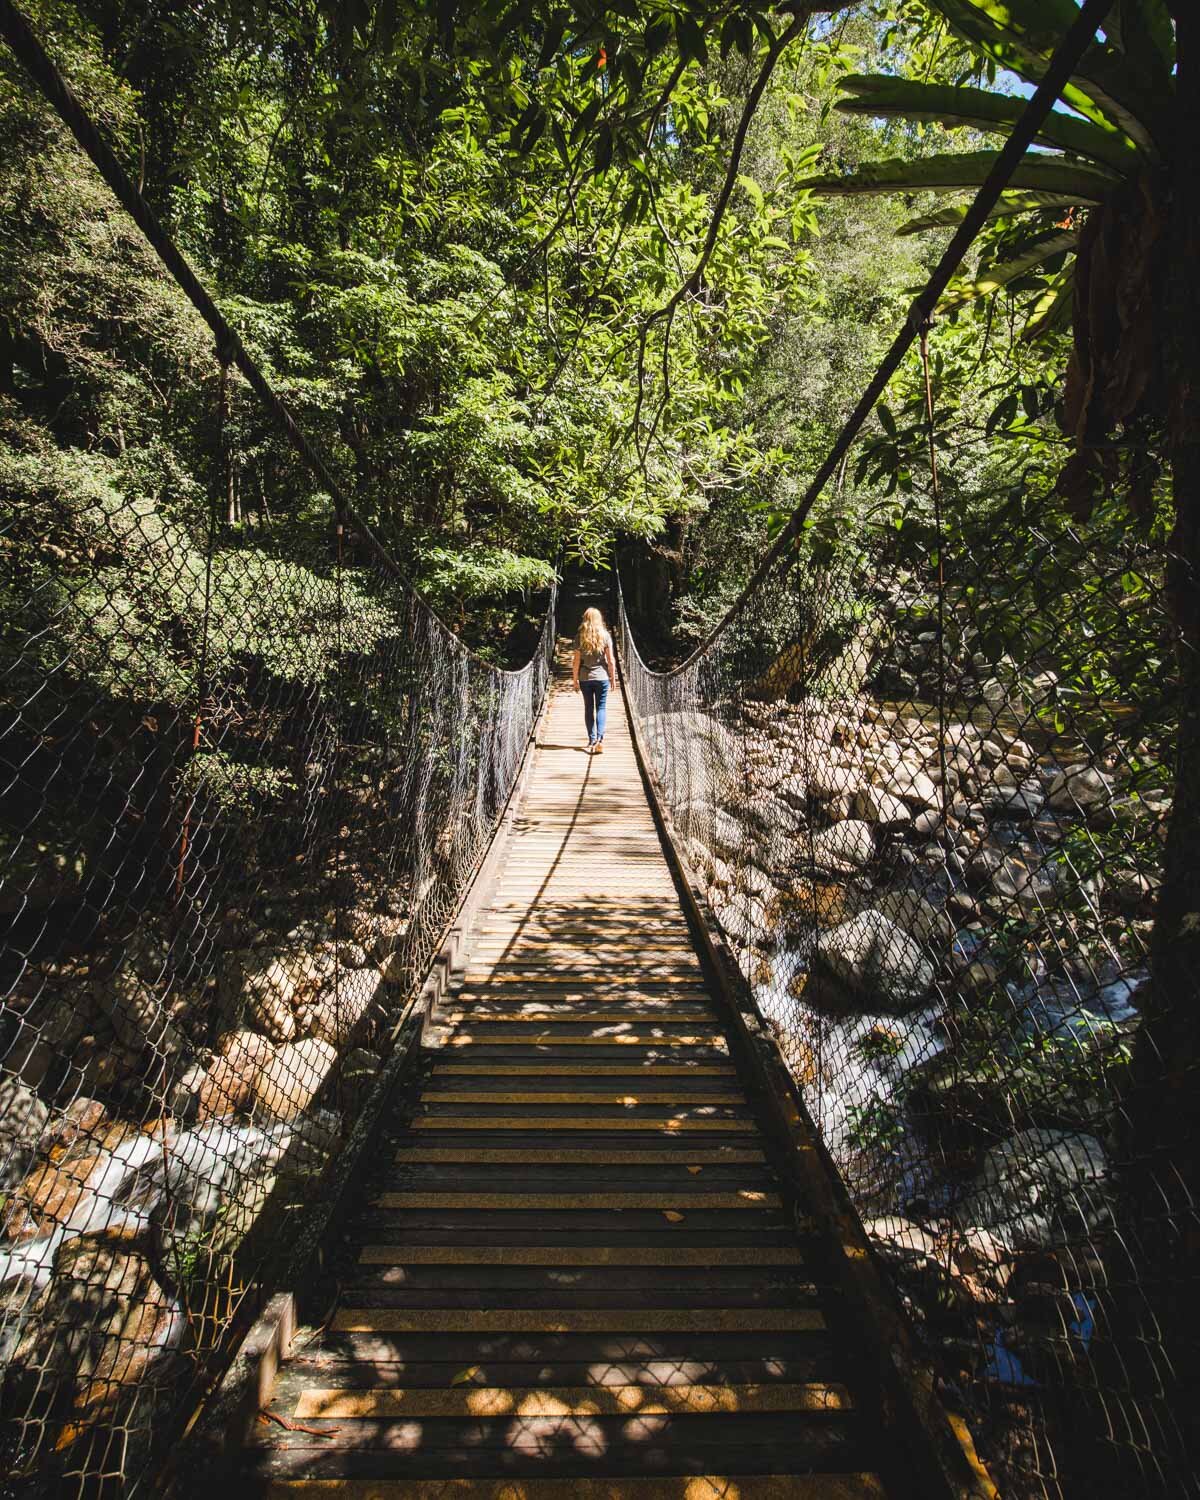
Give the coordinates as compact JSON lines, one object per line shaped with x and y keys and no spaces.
{"x":1021,"y":803}
{"x":876,"y":959}
{"x":994,"y":693}
{"x":23,"y":1117}
{"x":737,"y":919}
{"x":756,"y":883}
{"x":912,"y":783}
{"x":915,"y":914}
{"x":876,"y":805}
{"x":138,"y":1014}
{"x":699,"y":856}
{"x":695,"y":756}
{"x":266,"y":992}
{"x":1039,"y":1189}
{"x":769,"y":815}
{"x":848,"y":845}
{"x":183,"y":1100}
{"x":339,"y":1009}
{"x":1080,"y":786}
{"x":285,"y":1085}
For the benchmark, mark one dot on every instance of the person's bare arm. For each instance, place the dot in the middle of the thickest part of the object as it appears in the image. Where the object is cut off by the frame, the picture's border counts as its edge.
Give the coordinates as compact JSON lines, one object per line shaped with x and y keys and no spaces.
{"x":610,"y":661}
{"x":575,"y":669}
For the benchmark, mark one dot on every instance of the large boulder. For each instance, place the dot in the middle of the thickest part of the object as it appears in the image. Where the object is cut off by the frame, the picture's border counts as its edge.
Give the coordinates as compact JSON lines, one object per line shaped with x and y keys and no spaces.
{"x":286,"y":1086}
{"x":1040,"y":1188}
{"x":339,"y":1009}
{"x":138,"y":1013}
{"x":695,"y":756}
{"x":52,"y":1194}
{"x":875,"y":960}
{"x":230,"y":1084}
{"x":911,"y":782}
{"x":918,"y":916}
{"x":715,"y":827}
{"x":264,"y":992}
{"x":844,"y":846}
{"x":1080,"y":786}
{"x":83,"y":1363}
{"x":43,"y":1053}
{"x":877,"y":805}
{"x":23,"y":1117}
{"x":832,"y":774}
{"x":1019,"y":803}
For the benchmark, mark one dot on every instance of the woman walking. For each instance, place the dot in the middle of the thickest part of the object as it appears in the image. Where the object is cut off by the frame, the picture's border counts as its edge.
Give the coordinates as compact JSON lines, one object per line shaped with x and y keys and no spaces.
{"x":593,"y":669}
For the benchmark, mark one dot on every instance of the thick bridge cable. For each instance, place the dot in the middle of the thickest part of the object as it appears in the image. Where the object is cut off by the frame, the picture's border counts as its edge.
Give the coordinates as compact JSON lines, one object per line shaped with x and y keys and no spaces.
{"x":1058,"y":72}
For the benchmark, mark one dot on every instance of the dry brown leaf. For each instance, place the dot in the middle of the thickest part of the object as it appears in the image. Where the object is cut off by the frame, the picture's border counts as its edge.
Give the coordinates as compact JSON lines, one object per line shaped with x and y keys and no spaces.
{"x":464,"y":1376}
{"x":672,"y":1216}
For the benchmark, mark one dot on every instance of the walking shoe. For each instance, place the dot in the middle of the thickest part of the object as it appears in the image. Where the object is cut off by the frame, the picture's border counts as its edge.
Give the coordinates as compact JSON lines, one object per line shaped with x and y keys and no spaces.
{"x":598,"y":748}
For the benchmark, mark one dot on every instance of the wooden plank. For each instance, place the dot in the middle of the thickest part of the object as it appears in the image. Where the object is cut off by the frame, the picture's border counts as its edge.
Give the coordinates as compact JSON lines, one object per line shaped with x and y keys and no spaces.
{"x":616,"y":1039}
{"x":535,"y":1152}
{"x":578,"y":1320}
{"x":570,"y":1122}
{"x":669,"y":1487}
{"x":583,"y":1255}
{"x":583,"y":1070}
{"x":747,"y":1198}
{"x":580,"y":1401}
{"x":577,"y":1016}
{"x":578,"y":1096}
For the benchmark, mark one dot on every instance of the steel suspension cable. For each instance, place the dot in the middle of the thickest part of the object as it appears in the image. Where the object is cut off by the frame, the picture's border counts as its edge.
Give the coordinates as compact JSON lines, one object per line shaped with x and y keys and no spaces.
{"x":28,"y":50}
{"x":1058,"y":73}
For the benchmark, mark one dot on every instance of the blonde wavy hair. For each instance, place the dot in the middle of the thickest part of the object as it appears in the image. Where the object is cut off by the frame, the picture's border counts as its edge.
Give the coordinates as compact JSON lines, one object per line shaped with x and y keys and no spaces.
{"x":593,"y":635}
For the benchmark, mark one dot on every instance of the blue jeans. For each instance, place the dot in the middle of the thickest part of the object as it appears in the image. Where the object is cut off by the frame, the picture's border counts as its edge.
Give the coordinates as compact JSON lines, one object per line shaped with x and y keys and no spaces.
{"x":595,"y":707}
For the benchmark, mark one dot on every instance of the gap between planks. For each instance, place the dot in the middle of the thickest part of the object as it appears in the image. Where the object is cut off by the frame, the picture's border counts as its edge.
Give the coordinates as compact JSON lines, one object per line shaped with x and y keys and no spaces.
{"x":578,"y":1320}
{"x":583,"y":1255}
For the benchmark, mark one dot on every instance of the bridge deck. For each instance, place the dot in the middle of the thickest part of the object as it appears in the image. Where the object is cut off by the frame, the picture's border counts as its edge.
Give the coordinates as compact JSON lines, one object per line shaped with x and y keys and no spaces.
{"x":573,"y":1275}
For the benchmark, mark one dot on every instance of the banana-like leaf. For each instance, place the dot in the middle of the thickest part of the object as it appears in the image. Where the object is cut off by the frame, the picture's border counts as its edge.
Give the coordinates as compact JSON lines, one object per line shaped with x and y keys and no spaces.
{"x":1007,"y":206}
{"x":1143,"y":32}
{"x":967,"y":169}
{"x":953,"y":106}
{"x":1021,"y":35}
{"x":1051,"y":313}
{"x":997,"y":276}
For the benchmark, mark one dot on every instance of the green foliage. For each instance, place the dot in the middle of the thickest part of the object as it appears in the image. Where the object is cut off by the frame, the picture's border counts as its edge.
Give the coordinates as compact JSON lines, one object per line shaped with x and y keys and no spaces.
{"x":876,"y":1127}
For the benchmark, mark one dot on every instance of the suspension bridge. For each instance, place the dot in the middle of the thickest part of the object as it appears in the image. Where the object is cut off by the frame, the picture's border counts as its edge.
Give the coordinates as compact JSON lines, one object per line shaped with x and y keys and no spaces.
{"x":404,"y":1103}
{"x":574,"y":1267}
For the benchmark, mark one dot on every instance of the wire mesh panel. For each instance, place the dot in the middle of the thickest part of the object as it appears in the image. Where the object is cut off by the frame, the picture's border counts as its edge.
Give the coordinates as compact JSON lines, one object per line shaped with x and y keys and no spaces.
{"x":245,"y":780}
{"x":930,"y":819}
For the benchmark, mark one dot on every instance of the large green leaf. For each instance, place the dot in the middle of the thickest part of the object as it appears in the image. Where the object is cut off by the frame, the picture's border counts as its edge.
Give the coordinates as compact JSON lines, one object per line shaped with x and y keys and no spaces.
{"x":1008,"y":206}
{"x":1051,"y":313}
{"x":1143,"y":31}
{"x":951,"y":106}
{"x":1021,"y":35}
{"x":1044,"y":248}
{"x":967,"y":169}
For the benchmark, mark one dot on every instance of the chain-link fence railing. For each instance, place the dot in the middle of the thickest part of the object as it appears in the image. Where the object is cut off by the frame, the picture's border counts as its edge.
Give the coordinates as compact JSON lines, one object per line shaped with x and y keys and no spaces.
{"x":242,"y":792}
{"x":929,"y":812}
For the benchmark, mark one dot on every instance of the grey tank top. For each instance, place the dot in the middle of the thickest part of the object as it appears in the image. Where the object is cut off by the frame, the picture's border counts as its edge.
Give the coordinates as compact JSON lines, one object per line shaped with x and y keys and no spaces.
{"x":591,"y":666}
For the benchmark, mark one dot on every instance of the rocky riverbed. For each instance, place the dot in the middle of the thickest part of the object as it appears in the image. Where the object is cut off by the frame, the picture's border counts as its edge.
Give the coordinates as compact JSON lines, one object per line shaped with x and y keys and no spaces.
{"x":156,"y":1130}
{"x":949,"y":938}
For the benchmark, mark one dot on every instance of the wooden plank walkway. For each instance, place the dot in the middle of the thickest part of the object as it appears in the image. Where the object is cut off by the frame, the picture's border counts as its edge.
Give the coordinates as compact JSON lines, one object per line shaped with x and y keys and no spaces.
{"x":573,"y":1275}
